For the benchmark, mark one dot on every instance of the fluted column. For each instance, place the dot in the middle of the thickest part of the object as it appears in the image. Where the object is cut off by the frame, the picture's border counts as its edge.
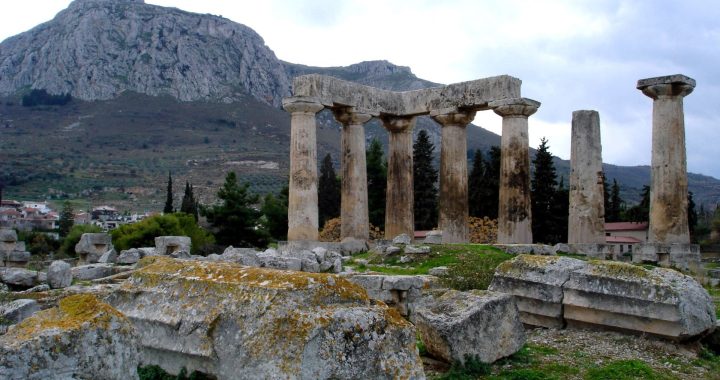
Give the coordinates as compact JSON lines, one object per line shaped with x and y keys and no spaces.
{"x":302,"y":200}
{"x":399,"y":217}
{"x":354,"y":202}
{"x":586,"y":219}
{"x":669,"y":188}
{"x":514,"y":210}
{"x":453,"y":205}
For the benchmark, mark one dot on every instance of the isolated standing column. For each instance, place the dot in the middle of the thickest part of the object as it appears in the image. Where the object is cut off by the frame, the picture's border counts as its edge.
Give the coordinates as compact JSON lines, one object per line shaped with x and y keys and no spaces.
{"x":669,"y":188}
{"x":354,"y":202}
{"x":399,"y":217}
{"x":514,"y":209}
{"x":303,"y":201}
{"x":453,"y":205}
{"x":586,"y":220}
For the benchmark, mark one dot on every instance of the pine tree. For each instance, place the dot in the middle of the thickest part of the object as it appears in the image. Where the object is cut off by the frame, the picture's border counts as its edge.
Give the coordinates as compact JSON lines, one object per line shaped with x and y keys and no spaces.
{"x":235,"y":220}
{"x":328,"y":192}
{"x":189,"y":204}
{"x":424,"y":178}
{"x":275,"y":214}
{"x":169,"y":199}
{"x":612,"y":213}
{"x":67,"y":219}
{"x":377,"y":183}
{"x":543,"y":187}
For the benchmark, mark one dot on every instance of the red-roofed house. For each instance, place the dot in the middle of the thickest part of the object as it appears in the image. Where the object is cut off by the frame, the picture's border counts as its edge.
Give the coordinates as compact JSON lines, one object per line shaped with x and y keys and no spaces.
{"x":626,"y":234}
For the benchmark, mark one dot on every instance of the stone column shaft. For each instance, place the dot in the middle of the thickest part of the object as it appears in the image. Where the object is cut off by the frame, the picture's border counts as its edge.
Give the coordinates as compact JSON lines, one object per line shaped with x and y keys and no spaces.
{"x":302,"y":200}
{"x":514,"y":208}
{"x":586,"y":219}
{"x":399,"y":217}
{"x":453,"y":203}
{"x":354,"y":202}
{"x":669,"y":188}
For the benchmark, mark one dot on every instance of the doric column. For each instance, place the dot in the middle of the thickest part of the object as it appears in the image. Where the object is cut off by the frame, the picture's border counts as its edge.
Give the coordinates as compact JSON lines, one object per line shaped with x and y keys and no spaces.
{"x":514,"y":210}
{"x":586,"y":219}
{"x":668,"y":189}
{"x":399,"y":218}
{"x":453,"y":205}
{"x":302,"y":202}
{"x":354,"y":203}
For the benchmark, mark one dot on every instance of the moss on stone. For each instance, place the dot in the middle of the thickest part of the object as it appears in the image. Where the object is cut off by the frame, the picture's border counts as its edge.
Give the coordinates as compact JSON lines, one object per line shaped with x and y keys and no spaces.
{"x":618,"y":269}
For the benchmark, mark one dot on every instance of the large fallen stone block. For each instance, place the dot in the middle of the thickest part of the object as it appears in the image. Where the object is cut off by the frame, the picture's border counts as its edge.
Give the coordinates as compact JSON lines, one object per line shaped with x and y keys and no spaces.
{"x":59,"y":274}
{"x":478,"y":324}
{"x":16,"y":258}
{"x":166,"y":245}
{"x":92,"y":246}
{"x":8,"y":240}
{"x":82,"y":338}
{"x":92,"y":271}
{"x":660,"y":301}
{"x":21,"y":278}
{"x":537,"y":284}
{"x":237,"y":322}
{"x":397,"y":291}
{"x":16,"y":311}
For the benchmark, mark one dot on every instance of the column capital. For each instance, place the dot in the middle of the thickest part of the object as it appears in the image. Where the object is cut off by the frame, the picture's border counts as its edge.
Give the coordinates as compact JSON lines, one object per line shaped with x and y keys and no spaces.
{"x":398,"y":124}
{"x":453,"y":117}
{"x":299,"y":104}
{"x":667,"y":86}
{"x":350,"y":116}
{"x":516,"y":107}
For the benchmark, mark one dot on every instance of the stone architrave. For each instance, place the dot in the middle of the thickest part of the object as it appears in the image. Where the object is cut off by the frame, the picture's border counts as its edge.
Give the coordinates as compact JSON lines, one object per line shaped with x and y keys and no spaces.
{"x":668,"y":189}
{"x":399,"y":216}
{"x":302,"y":202}
{"x":354,"y":201}
{"x":514,"y":211}
{"x":453,"y":205}
{"x":586,"y":221}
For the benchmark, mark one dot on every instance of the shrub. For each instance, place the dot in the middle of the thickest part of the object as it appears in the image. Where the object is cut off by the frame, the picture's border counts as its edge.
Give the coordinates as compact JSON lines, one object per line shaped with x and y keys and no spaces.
{"x":42,"y":98}
{"x":143,"y":234}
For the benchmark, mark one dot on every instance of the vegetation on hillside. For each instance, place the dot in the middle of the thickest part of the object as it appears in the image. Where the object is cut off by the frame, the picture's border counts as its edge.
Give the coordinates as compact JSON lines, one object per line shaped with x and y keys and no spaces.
{"x":143,"y":233}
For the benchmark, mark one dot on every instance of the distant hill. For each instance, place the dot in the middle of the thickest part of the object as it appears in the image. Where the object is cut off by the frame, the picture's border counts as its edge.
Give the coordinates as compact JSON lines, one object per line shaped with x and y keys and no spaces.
{"x":155,"y":89}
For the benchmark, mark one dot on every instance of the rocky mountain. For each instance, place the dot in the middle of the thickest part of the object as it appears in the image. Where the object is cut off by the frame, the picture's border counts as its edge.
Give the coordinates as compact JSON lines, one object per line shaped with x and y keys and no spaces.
{"x":159,"y":89}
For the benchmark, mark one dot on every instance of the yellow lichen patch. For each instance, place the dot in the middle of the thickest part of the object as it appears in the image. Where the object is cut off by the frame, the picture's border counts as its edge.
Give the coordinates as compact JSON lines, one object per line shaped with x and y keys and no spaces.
{"x":229,"y":274}
{"x":72,"y":313}
{"x":614,"y":268}
{"x":527,"y":262}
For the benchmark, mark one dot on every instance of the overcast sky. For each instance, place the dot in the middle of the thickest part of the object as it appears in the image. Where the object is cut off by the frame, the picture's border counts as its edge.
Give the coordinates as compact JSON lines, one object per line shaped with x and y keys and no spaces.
{"x":570,"y":55}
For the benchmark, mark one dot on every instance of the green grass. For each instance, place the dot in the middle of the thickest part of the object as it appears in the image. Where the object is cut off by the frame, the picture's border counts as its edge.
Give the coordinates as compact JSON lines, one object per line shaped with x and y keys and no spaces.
{"x":624,"y":370}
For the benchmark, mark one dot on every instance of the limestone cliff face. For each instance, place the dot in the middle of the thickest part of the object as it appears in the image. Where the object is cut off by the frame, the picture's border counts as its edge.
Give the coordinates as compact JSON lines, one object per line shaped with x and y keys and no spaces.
{"x":96,"y":49}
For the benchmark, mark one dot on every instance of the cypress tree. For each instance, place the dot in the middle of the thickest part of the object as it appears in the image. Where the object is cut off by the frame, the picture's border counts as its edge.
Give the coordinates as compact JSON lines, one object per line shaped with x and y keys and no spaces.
{"x":543,"y":187}
{"x":692,"y":213}
{"x":377,"y":183}
{"x":169,"y":199}
{"x":424,"y":178}
{"x":641,"y":212}
{"x":560,"y":211}
{"x":189,"y":204}
{"x":67,"y":219}
{"x":612,"y":213}
{"x":476,"y":185}
{"x":492,"y":174}
{"x":328,"y":192}
{"x":483,"y":184}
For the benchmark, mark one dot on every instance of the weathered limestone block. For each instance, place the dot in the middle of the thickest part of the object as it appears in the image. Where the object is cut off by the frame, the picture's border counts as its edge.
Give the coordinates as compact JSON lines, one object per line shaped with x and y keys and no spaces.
{"x":59,"y":274}
{"x":92,"y":271}
{"x":433,"y":237}
{"x":537,"y":284}
{"x":237,"y":322}
{"x":683,"y":256}
{"x":402,"y":239}
{"x":92,"y":245}
{"x":396,"y":291}
{"x":82,"y":338}
{"x":165,"y":245}
{"x":16,"y":258}
{"x":129,"y":257}
{"x":350,"y":246}
{"x":8,"y":240}
{"x":23,"y":278}
{"x":16,"y":311}
{"x":423,"y":250}
{"x":108,"y":257}
{"x":660,"y":301}
{"x":478,"y":323}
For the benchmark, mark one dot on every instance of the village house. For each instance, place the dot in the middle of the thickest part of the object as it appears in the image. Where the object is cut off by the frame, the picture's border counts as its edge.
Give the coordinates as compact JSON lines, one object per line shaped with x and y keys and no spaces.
{"x":626,"y":234}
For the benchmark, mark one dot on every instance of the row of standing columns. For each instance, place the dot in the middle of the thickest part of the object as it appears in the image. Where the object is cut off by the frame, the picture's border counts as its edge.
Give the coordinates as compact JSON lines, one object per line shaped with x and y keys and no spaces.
{"x":515,"y":217}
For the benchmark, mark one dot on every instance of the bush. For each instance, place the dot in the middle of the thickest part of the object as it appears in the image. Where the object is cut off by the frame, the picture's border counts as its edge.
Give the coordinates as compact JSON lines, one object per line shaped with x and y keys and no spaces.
{"x":42,"y":98}
{"x":331,"y":231}
{"x":38,"y":243}
{"x":143,"y":234}
{"x":73,"y":237}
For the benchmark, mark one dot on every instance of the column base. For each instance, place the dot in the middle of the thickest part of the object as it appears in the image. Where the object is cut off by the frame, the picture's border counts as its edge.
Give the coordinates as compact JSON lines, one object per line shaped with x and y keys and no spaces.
{"x":679,"y":255}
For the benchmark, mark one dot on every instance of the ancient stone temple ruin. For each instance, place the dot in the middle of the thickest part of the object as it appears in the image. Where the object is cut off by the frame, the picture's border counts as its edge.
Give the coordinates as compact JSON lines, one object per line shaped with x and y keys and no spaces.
{"x":453,"y":107}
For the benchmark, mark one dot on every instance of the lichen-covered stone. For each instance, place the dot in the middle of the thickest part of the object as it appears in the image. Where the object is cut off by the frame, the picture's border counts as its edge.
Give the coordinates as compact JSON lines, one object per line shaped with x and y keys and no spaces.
{"x":239,"y":322}
{"x":478,"y":323}
{"x":537,"y":284}
{"x":19,"y":277}
{"x":15,"y":311}
{"x":660,"y":301}
{"x":92,"y":271}
{"x":59,"y":274}
{"x":82,"y":338}
{"x":165,"y":245}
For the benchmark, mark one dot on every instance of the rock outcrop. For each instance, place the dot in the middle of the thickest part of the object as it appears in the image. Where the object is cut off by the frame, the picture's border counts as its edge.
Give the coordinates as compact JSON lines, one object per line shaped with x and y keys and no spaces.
{"x":238,"y":322}
{"x":81,"y":338}
{"x":476,"y":324}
